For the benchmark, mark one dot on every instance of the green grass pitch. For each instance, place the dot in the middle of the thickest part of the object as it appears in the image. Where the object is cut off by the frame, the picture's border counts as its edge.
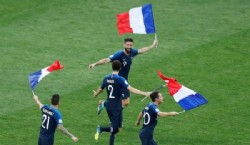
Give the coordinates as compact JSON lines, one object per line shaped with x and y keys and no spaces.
{"x":205,"y":44}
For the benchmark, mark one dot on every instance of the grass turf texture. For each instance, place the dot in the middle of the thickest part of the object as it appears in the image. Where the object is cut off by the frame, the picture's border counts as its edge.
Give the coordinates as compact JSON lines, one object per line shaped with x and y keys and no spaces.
{"x":204,"y":44}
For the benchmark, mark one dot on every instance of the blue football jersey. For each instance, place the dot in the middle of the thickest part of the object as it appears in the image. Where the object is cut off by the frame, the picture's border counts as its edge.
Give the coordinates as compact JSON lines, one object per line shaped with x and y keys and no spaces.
{"x":126,"y":61}
{"x":114,"y":84}
{"x":150,"y":114}
{"x":51,"y":117}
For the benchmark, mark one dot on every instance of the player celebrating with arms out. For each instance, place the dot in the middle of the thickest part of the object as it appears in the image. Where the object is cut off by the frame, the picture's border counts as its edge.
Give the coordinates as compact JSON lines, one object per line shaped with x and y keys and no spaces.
{"x":149,"y":115}
{"x":114,"y":85}
{"x":51,"y":119}
{"x":125,"y":56}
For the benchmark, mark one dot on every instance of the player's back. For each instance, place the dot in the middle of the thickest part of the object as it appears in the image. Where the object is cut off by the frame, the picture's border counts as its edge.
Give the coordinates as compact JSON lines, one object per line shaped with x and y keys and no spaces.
{"x":114,"y":84}
{"x":50,"y":118}
{"x":150,"y":113}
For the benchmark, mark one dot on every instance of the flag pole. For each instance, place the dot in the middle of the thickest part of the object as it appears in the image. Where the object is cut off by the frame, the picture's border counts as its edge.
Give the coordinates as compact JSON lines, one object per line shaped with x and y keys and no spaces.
{"x":144,"y":99}
{"x":33,"y":92}
{"x":156,"y":39}
{"x":182,"y":111}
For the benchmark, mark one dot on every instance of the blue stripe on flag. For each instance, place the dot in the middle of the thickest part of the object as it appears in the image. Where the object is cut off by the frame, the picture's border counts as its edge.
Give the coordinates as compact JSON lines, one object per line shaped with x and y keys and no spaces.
{"x":192,"y":101}
{"x":148,"y":18}
{"x":33,"y":78}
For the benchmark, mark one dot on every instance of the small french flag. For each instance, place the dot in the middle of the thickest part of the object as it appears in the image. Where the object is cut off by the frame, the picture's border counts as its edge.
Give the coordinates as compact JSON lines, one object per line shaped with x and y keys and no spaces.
{"x":185,"y":97}
{"x":138,"y":20}
{"x":36,"y":77}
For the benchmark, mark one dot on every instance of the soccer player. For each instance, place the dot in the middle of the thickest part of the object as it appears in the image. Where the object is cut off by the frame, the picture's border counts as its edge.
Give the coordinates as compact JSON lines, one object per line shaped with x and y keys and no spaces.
{"x":125,"y":56}
{"x":114,"y":85}
{"x":51,"y":119}
{"x":149,"y":115}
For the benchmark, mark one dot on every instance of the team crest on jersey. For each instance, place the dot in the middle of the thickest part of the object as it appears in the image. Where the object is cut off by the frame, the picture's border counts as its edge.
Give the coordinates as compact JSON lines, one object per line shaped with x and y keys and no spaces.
{"x":124,"y":62}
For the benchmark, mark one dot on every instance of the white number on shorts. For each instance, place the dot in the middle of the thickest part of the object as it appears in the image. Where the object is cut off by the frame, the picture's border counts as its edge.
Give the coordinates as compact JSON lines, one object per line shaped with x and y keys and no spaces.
{"x":45,"y":122}
{"x":146,"y":117}
{"x":111,"y":89}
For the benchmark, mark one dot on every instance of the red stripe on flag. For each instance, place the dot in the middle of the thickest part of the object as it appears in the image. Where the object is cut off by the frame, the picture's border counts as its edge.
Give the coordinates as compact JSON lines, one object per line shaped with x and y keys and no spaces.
{"x":123,"y":24}
{"x":55,"y":66}
{"x":173,"y":85}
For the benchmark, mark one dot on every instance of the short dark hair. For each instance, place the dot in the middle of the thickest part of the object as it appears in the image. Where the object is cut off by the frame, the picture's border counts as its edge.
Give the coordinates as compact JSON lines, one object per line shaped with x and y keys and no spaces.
{"x":55,"y":99}
{"x":154,"y":95}
{"x":116,"y":65}
{"x":128,"y":40}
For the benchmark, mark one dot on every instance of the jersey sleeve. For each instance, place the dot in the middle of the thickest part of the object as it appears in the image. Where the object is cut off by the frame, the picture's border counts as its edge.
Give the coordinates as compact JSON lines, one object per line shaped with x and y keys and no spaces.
{"x":124,"y":82}
{"x":155,"y":110}
{"x":134,"y":52}
{"x":58,"y":117}
{"x":43,"y":107}
{"x":115,"y":56}
{"x":103,"y":83}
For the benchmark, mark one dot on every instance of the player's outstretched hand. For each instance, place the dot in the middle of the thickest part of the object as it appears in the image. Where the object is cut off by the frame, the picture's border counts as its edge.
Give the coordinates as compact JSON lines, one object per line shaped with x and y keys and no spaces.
{"x":148,"y":94}
{"x":92,"y":65}
{"x":75,"y":139}
{"x":174,"y":113}
{"x":155,"y":43}
{"x":35,"y":97}
{"x":94,"y":93}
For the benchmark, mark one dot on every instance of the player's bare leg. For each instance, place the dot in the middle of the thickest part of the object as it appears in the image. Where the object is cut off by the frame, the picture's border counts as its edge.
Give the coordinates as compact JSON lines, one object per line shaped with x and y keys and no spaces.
{"x":125,"y":102}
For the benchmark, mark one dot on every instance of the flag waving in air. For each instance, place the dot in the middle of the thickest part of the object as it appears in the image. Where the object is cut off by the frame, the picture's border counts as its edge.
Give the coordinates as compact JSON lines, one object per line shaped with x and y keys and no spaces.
{"x":36,"y":77}
{"x":185,"y":97}
{"x":138,"y":20}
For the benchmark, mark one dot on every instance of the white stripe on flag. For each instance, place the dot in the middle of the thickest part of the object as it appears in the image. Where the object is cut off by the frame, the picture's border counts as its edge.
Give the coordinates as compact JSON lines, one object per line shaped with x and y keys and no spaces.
{"x":182,"y":93}
{"x":136,"y":20}
{"x":44,"y":72}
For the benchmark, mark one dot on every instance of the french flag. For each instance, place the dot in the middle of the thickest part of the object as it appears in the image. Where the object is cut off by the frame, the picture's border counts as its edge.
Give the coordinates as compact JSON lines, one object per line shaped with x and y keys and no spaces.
{"x":138,"y":20}
{"x":185,"y":97}
{"x":36,"y":77}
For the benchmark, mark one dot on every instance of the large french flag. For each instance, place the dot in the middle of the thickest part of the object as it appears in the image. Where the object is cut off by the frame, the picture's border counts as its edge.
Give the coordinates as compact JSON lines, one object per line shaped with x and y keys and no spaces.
{"x":185,"y":97}
{"x":138,"y":20}
{"x":36,"y":77}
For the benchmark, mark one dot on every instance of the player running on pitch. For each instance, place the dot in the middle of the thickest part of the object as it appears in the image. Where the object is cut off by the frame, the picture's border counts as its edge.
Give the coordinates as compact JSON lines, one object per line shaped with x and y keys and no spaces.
{"x":114,"y":85}
{"x":51,"y":119}
{"x":125,"y":56}
{"x":149,"y":115}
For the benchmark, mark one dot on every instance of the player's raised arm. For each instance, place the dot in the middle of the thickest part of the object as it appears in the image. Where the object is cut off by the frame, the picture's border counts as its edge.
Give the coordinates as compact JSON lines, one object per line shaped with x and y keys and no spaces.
{"x":100,"y":62}
{"x":167,"y":114}
{"x":147,"y":48}
{"x":40,"y":105}
{"x":66,"y":132}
